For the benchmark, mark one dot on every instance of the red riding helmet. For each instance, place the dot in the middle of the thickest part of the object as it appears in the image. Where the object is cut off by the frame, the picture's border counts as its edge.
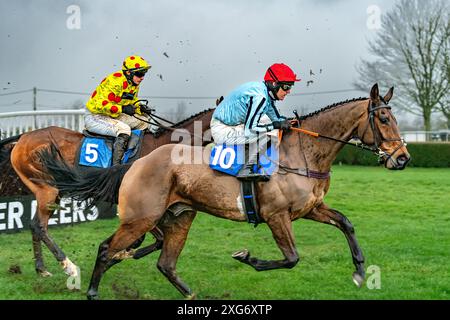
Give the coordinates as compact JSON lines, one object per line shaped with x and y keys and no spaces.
{"x":280,"y":72}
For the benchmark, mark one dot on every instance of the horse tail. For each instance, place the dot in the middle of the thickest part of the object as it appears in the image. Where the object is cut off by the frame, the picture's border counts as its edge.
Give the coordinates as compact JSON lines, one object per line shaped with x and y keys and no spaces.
{"x":5,"y":150}
{"x":93,"y":185}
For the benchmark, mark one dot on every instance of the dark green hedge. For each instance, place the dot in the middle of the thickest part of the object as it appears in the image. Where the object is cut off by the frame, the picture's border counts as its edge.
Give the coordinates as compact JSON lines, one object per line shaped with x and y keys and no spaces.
{"x":422,"y":155}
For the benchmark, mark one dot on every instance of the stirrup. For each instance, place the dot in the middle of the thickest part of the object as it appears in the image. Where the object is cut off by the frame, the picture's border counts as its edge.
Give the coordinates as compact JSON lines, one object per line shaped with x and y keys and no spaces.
{"x":246,"y":173}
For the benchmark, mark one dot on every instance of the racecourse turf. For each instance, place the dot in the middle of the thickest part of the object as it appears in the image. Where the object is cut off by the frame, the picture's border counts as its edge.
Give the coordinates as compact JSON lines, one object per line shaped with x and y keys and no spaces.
{"x":401,"y":218}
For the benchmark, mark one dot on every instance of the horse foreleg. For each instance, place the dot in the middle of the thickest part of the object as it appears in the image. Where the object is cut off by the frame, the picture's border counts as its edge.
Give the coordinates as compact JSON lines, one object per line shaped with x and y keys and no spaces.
{"x":99,"y":268}
{"x":68,"y":266}
{"x":175,"y":233}
{"x":40,"y":227}
{"x":333,"y":217}
{"x":135,"y":253}
{"x":281,"y":227}
{"x":40,"y":232}
{"x":126,"y":236}
{"x":36,"y":233}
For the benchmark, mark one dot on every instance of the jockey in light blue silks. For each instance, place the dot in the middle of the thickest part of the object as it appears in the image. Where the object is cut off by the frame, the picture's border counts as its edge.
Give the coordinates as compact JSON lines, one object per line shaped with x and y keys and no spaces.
{"x":249,"y":112}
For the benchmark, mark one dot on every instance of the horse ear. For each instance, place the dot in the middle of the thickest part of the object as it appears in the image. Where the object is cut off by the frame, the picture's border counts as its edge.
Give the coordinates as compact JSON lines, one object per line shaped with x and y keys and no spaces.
{"x":389,"y":95}
{"x":374,"y":93}
{"x":219,"y":100}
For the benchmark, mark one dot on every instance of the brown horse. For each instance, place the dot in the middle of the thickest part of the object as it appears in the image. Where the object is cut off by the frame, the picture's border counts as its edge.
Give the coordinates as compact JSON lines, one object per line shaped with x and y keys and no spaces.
{"x":296,"y":190}
{"x":28,"y":169}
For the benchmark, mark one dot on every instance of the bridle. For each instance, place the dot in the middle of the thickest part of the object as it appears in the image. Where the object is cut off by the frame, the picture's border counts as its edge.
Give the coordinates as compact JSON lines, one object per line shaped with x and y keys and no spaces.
{"x":377,"y":135}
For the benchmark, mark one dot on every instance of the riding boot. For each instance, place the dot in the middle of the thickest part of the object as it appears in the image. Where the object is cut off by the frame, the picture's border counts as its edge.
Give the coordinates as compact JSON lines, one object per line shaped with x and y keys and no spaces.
{"x":248,"y":171}
{"x":120,"y":146}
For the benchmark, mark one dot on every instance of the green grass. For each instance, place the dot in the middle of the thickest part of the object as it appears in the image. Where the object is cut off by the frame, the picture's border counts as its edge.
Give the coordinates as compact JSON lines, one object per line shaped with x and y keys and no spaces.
{"x":402,"y":221}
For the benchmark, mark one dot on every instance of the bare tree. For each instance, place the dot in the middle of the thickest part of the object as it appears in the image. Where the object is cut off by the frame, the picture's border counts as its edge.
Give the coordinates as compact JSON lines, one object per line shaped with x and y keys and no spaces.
{"x":444,"y":104}
{"x":411,"y":53}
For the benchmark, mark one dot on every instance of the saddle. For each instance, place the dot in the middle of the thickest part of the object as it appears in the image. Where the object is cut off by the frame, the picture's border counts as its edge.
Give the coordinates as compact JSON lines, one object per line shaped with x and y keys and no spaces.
{"x":96,"y":150}
{"x":229,"y":159}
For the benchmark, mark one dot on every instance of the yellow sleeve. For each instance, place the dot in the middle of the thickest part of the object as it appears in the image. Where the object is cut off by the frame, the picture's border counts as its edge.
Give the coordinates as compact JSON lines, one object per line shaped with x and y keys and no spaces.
{"x":106,"y":99}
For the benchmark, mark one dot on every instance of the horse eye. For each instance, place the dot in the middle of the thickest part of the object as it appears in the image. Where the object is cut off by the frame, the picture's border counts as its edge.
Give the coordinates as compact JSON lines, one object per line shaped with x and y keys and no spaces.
{"x":384,"y":120}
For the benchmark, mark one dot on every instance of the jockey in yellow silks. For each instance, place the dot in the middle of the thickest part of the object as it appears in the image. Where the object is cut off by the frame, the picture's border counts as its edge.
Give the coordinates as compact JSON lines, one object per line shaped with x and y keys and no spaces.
{"x":111,"y":110}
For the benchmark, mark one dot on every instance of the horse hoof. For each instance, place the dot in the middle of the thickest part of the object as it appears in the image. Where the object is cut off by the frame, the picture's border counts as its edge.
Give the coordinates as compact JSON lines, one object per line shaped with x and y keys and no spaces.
{"x":357,"y":279}
{"x":124,"y":254}
{"x":191,"y":296}
{"x":45,"y":274}
{"x":92,"y":296}
{"x":69,"y":268}
{"x":241,"y":255}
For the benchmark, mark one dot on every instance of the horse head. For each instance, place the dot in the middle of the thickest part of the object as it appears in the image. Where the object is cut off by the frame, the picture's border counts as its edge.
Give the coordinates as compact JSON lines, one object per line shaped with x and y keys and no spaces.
{"x":379,"y":130}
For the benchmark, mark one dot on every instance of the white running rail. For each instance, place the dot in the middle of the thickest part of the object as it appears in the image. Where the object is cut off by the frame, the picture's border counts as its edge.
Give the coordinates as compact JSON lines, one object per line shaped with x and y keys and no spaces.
{"x":14,"y":123}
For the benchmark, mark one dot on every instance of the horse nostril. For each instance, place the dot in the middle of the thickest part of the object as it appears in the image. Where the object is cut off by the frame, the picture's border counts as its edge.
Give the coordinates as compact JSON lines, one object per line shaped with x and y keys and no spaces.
{"x":402,"y":160}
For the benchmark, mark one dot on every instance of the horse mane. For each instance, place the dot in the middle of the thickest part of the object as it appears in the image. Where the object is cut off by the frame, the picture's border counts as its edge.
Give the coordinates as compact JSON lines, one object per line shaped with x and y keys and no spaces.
{"x":176,"y":125}
{"x":193,"y":116}
{"x":331,"y":106}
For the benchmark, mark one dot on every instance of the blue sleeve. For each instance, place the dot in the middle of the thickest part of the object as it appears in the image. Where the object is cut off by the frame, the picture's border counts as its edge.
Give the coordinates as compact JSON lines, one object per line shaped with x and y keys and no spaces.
{"x":254,"y":113}
{"x":273,"y":113}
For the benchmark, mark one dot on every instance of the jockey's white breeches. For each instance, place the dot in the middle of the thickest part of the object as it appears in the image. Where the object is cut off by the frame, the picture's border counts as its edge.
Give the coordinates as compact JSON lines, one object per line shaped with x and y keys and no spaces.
{"x":223,"y":133}
{"x":123,"y":124}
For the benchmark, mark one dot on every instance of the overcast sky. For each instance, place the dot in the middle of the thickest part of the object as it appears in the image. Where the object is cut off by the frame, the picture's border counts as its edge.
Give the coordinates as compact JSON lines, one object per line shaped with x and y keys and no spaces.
{"x":197,"y":48}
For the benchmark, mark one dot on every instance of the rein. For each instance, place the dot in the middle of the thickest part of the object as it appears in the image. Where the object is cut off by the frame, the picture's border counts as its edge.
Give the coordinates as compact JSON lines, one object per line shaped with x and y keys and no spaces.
{"x":378,"y":137}
{"x":318,"y":135}
{"x":156,"y":123}
{"x":159,"y":125}
{"x":378,"y":140}
{"x":158,"y":117}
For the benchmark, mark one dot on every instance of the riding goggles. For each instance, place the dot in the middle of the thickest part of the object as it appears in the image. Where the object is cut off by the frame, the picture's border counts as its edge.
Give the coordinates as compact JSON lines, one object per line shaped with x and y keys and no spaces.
{"x":286,"y":86}
{"x":140,"y":73}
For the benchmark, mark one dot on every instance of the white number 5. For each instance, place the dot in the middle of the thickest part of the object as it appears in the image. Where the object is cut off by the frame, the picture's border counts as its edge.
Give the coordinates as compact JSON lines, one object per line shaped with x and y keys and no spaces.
{"x":91,"y":152}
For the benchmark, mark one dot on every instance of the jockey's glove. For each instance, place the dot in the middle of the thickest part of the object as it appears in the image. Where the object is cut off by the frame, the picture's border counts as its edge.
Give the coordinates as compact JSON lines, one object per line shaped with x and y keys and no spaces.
{"x":283,"y":125}
{"x":128,"y":109}
{"x":145,"y":109}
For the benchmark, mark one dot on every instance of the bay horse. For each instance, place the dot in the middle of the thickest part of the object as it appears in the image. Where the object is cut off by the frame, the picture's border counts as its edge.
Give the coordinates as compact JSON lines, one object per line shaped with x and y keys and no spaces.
{"x":23,"y":160}
{"x":289,"y":195}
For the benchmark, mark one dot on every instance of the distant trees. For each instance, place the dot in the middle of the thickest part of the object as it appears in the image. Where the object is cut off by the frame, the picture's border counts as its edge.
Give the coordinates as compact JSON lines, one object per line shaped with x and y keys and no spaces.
{"x":77,"y":104}
{"x":411,"y":52}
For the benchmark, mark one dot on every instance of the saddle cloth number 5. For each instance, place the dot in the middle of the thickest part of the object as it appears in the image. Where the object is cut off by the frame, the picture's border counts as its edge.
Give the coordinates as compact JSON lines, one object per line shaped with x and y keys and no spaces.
{"x":91,"y":154}
{"x":95,"y":152}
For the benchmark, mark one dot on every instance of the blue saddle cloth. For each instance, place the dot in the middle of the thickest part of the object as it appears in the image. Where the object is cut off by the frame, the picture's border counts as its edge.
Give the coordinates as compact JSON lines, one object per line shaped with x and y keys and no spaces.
{"x":230,"y":159}
{"x":97,"y":151}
